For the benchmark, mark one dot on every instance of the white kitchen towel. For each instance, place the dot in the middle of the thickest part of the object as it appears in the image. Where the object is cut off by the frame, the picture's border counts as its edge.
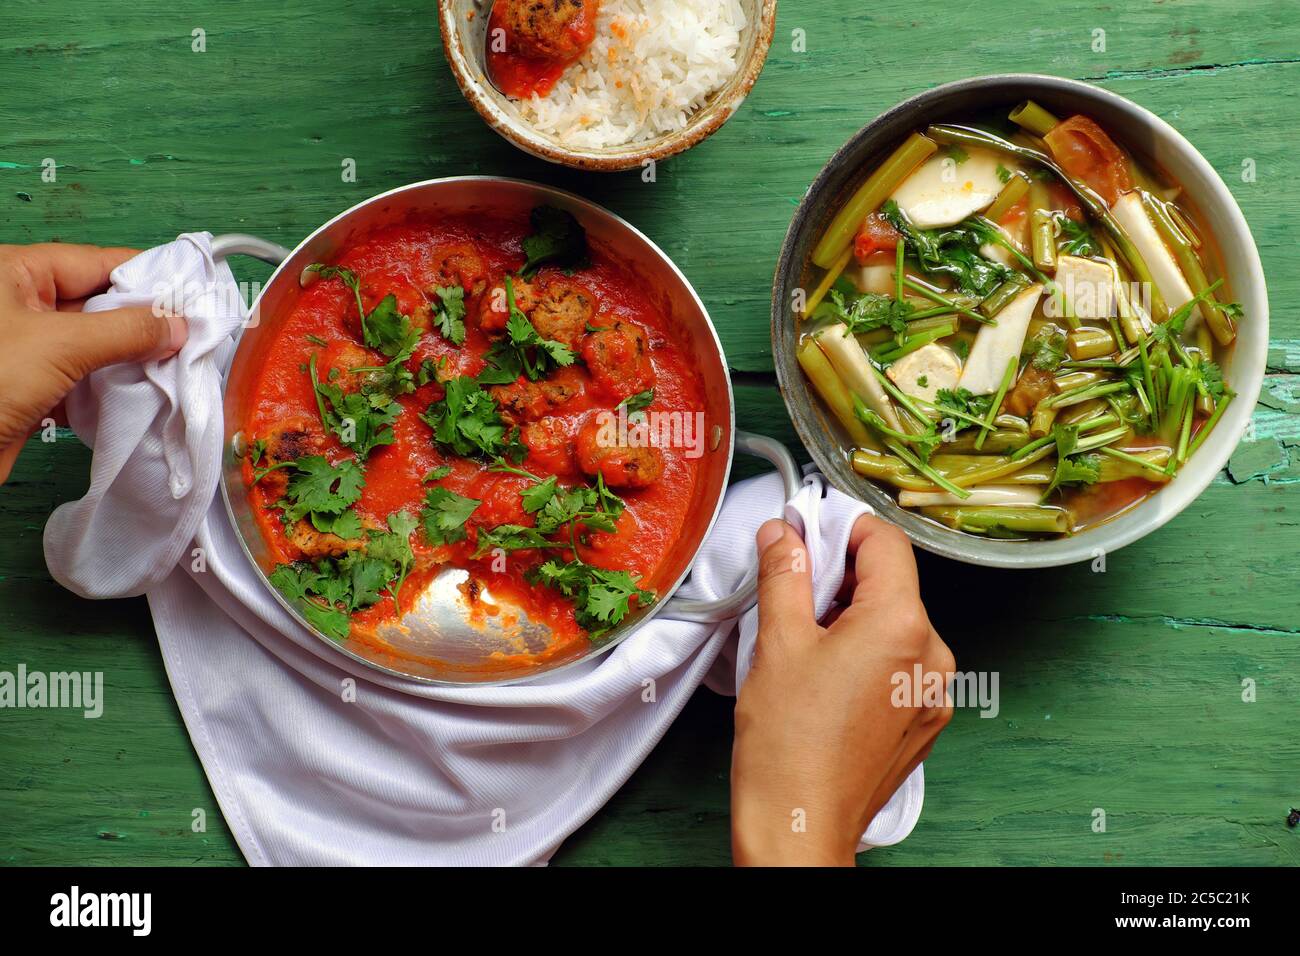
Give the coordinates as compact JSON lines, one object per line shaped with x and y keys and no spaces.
{"x":316,"y":759}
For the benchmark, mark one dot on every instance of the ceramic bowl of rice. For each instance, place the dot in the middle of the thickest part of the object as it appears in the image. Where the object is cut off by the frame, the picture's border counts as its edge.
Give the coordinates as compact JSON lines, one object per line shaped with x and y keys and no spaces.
{"x":658,"y":77}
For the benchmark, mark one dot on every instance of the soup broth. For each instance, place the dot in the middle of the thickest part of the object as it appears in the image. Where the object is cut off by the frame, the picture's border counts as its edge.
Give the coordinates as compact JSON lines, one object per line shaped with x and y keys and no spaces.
{"x":1018,"y":325}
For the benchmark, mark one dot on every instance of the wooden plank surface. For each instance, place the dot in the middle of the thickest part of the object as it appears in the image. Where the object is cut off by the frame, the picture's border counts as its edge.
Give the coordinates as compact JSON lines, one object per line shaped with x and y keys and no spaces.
{"x":1120,"y":690}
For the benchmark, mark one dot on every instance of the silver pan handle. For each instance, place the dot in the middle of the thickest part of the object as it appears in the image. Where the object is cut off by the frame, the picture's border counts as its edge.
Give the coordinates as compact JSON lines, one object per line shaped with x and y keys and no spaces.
{"x":240,"y":244}
{"x":746,"y":596}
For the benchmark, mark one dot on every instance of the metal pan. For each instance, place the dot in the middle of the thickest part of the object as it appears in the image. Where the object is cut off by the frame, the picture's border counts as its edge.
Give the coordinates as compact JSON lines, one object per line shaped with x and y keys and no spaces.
{"x":435,"y":641}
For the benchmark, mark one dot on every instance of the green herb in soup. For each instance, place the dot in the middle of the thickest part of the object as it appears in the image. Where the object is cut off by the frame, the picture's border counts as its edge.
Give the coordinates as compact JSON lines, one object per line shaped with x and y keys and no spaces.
{"x":1018,"y":326}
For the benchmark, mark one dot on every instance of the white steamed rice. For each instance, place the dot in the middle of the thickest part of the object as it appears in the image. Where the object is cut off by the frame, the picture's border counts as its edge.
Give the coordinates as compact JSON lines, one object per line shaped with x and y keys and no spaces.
{"x":652,"y":64}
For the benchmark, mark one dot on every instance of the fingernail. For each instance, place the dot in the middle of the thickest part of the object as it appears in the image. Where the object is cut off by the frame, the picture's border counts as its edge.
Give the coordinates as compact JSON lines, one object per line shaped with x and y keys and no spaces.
{"x":178,"y":333}
{"x":770,"y":533}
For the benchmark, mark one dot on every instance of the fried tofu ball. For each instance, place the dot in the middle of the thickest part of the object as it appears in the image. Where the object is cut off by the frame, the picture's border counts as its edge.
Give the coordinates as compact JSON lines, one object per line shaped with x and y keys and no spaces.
{"x":494,"y":309}
{"x":321,"y":544}
{"x":549,"y":29}
{"x":288,"y":440}
{"x":525,"y":401}
{"x":562,"y":311}
{"x":458,"y":264}
{"x":621,"y":465}
{"x":618,"y":358}
{"x":550,"y":446}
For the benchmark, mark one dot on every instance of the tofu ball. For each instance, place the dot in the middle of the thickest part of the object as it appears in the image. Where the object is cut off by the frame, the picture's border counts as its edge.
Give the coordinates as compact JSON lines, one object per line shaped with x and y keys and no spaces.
{"x":458,"y":264}
{"x":321,"y":544}
{"x":621,"y":465}
{"x":550,"y":446}
{"x":288,"y":440}
{"x":549,"y":29}
{"x":524,"y":401}
{"x":562,"y":311}
{"x":618,"y":358}
{"x":494,"y":309}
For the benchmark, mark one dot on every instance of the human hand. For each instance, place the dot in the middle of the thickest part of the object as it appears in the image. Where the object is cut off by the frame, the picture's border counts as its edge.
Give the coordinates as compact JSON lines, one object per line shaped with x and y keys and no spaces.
{"x":47,"y":345}
{"x":818,"y":739}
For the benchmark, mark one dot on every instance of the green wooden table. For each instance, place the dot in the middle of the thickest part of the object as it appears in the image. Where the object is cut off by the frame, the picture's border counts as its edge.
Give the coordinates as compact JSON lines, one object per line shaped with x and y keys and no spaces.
{"x":1120,"y":690}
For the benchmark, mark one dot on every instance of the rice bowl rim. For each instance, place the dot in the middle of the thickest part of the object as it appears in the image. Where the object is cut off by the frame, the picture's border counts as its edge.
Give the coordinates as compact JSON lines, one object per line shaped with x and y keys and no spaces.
{"x":460,"y":41}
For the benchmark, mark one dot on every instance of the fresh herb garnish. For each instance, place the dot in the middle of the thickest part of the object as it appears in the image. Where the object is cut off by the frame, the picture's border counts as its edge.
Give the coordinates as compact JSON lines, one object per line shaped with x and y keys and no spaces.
{"x":466,"y":421}
{"x":558,"y":239}
{"x":437,"y":474}
{"x":1078,"y":238}
{"x":388,"y":330}
{"x":639,"y":401}
{"x":384,"y":327}
{"x":328,"y":590}
{"x":523,"y":350}
{"x":601,"y":598}
{"x":444,"y":515}
{"x":952,"y":252}
{"x":354,"y":416}
{"x":1080,"y":470}
{"x":1047,"y":350}
{"x":318,"y":489}
{"x":865,"y":311}
{"x":449,"y":315}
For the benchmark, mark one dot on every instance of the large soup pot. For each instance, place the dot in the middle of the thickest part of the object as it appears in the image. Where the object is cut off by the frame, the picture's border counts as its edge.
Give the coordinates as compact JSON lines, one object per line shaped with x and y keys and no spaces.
{"x":1139,"y":129}
{"x":435,"y":641}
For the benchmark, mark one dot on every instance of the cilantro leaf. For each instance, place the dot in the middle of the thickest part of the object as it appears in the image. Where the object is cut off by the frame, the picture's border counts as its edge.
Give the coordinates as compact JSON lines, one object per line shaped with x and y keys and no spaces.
{"x":557,"y":238}
{"x":318,"y":486}
{"x":865,"y":311}
{"x":368,"y":577}
{"x":523,"y":351}
{"x":601,"y":598}
{"x":511,"y":537}
{"x":300,"y":584}
{"x":1048,"y":349}
{"x":1078,"y":238}
{"x":1079,"y":470}
{"x":449,"y":316}
{"x":358,"y":424}
{"x":953,"y":252}
{"x":466,"y":421}
{"x":444,"y":515}
{"x":437,"y":474}
{"x":962,"y":402}
{"x":639,"y":401}
{"x":346,"y":525}
{"x":386,"y":329}
{"x":536,"y":497}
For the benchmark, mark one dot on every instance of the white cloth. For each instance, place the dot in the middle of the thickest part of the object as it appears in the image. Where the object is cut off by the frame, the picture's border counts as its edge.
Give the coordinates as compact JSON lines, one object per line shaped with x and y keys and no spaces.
{"x":318,"y":760}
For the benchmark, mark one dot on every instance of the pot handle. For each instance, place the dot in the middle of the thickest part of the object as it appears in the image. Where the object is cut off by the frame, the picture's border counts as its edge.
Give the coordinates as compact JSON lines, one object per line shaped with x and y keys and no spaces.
{"x":746,"y":596}
{"x":240,"y":244}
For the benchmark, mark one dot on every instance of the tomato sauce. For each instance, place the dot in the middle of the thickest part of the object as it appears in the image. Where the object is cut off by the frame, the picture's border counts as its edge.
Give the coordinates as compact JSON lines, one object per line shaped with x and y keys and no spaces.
{"x":520,"y":72}
{"x":402,"y":260}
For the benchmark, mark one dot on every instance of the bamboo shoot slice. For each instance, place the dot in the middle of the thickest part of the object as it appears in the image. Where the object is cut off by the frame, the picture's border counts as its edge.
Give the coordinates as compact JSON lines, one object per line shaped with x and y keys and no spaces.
{"x":854,"y":369}
{"x":1169,"y":279}
{"x":996,"y":345}
{"x":943,"y":192}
